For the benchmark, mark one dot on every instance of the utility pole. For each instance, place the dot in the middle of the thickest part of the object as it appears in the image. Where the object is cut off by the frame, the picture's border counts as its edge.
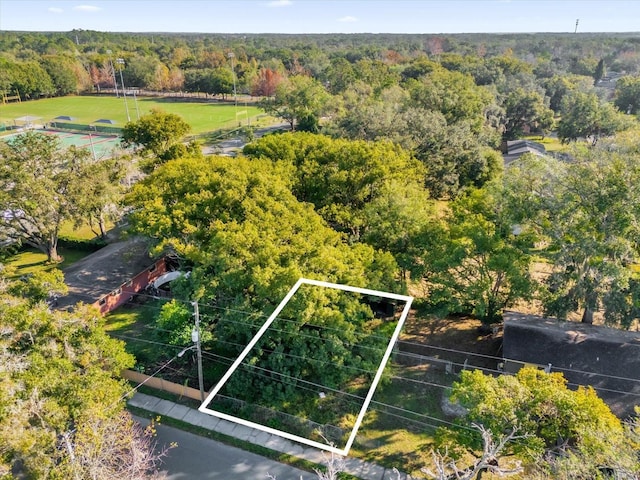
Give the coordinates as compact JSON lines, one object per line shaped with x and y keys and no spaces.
{"x":195,"y":337}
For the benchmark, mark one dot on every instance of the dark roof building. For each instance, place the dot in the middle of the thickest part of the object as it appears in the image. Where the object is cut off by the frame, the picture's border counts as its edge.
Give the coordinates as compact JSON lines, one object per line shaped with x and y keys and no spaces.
{"x":605,"y":358}
{"x":514,"y":149}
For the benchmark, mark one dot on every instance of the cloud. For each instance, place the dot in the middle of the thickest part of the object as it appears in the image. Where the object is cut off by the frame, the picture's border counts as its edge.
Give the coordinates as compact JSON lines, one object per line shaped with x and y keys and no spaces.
{"x":86,"y":8}
{"x":348,"y":19}
{"x":55,"y":10}
{"x":280,"y":3}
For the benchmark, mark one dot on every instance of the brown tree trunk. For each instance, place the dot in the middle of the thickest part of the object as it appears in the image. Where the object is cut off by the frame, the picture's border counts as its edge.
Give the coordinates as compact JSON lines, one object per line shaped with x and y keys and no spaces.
{"x":587,"y":316}
{"x":52,"y":253}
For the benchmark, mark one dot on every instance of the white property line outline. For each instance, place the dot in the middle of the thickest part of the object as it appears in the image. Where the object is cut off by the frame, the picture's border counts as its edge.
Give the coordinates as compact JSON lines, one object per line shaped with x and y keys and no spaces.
{"x":203,"y":408}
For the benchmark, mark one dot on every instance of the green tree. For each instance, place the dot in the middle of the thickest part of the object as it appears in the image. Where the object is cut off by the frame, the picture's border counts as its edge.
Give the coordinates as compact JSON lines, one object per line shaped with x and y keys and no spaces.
{"x":339,"y":177}
{"x":627,"y":94}
{"x":453,"y":94}
{"x":61,"y":406}
{"x":28,"y":79}
{"x":584,"y":115}
{"x":157,"y":134}
{"x":556,"y":426}
{"x":98,"y":201}
{"x":587,"y":210}
{"x":558,"y":86}
{"x":600,"y":72}
{"x":297,"y":98}
{"x":250,"y":240}
{"x":525,"y":109}
{"x":40,"y":286}
{"x":471,"y":261}
{"x":38,"y":180}
{"x":61,"y":70}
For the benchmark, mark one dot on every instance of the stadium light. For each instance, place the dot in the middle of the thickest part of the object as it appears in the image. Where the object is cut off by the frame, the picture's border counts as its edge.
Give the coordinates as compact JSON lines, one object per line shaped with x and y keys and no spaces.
{"x":233,"y":73}
{"x":113,"y":72}
{"x":120,"y":61}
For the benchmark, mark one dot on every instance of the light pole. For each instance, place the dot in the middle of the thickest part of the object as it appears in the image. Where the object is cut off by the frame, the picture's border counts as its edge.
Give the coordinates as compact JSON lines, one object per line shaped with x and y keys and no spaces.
{"x":113,"y":72}
{"x":120,"y":61}
{"x":233,"y":73}
{"x":135,"y":100}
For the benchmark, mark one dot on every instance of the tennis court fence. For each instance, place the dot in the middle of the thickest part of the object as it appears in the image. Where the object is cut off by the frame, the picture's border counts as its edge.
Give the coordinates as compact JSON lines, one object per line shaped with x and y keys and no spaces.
{"x":78,"y":127}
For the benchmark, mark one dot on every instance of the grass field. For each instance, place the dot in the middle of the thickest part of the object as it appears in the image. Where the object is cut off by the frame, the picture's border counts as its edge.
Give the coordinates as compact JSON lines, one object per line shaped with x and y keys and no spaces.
{"x":202,"y":116}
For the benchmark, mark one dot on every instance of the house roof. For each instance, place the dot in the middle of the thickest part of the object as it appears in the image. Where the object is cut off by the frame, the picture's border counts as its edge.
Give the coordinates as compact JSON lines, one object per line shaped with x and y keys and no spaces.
{"x":606,"y":358}
{"x":516,"y":148}
{"x":105,"y":270}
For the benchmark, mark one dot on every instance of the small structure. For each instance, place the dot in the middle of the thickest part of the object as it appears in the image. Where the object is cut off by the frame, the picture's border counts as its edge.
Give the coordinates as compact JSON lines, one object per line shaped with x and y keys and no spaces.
{"x":105,"y":120}
{"x":27,"y":122}
{"x":514,"y":149}
{"x":112,"y":275}
{"x":605,"y":358}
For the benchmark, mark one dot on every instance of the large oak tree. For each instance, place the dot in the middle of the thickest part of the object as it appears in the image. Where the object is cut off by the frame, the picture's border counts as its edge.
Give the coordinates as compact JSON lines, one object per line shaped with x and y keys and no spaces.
{"x":38,"y":182}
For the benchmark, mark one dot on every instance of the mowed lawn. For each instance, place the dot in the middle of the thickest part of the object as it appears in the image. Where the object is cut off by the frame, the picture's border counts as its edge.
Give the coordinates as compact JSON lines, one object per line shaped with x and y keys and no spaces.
{"x":202,"y":116}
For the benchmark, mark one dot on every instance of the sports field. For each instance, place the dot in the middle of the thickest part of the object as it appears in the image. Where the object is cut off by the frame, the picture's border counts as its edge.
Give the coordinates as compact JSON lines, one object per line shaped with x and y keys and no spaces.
{"x":202,"y":116}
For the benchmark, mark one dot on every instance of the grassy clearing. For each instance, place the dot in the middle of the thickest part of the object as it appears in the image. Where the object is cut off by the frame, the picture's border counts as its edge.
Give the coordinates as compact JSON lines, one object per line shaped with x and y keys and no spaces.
{"x":130,"y":323}
{"x":31,"y":261}
{"x":551,"y":144}
{"x":202,"y":116}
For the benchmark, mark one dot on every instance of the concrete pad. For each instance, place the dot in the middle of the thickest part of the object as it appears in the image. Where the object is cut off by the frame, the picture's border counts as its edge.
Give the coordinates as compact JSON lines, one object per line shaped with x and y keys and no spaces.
{"x":364,"y":470}
{"x":146,"y":402}
{"x":179,"y":411}
{"x":194,"y":417}
{"x":259,"y":437}
{"x":225,"y":427}
{"x":315,"y":455}
{"x":389,"y":474}
{"x":164,"y":407}
{"x":243,"y":432}
{"x":278,"y":444}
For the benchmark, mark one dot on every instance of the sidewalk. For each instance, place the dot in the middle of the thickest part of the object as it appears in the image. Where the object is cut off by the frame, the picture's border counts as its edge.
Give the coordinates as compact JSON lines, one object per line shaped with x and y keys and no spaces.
{"x":359,"y":468}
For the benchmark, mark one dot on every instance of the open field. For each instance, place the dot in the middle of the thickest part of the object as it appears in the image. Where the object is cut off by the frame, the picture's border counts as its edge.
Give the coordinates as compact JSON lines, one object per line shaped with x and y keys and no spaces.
{"x":202,"y":116}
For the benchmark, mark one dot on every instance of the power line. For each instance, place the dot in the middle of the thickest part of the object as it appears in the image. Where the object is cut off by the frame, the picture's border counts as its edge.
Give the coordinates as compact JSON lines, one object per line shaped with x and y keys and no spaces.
{"x":337,"y":391}
{"x":404,"y":342}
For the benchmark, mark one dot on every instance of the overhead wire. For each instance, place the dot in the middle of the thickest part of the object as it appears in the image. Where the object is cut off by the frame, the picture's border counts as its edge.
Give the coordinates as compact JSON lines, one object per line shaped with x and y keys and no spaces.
{"x":404,"y":342}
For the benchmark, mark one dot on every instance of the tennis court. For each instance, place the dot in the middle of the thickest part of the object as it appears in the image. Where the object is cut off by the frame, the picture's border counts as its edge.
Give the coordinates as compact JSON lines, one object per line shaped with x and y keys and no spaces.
{"x":103,"y":145}
{"x":100,"y":145}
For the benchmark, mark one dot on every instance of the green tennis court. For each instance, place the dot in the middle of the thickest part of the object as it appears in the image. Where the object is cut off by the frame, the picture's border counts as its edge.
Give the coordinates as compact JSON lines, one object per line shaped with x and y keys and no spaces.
{"x":100,"y":145}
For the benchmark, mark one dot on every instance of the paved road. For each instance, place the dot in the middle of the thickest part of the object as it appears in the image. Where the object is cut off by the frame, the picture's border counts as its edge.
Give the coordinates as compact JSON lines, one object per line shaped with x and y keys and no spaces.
{"x":198,"y":458}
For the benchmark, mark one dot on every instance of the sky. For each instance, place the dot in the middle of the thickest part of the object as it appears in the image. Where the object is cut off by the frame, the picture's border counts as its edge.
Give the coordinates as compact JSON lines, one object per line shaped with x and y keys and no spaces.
{"x":322,"y":16}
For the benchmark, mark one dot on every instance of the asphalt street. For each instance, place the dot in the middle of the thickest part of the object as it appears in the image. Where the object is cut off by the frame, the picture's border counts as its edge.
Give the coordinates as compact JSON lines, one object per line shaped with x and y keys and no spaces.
{"x":197,"y":458}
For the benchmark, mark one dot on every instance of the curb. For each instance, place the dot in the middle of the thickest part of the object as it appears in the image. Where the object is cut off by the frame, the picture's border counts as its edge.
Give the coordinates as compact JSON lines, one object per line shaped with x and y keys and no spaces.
{"x":353,"y":466}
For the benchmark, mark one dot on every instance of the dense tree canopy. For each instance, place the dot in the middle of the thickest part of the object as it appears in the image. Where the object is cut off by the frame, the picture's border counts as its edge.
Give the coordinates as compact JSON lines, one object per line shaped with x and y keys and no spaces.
{"x":61,"y":408}
{"x":300,"y":101}
{"x":584,"y":115}
{"x":158,"y":134}
{"x":340,"y":177}
{"x":471,"y":261}
{"x":562,"y":433}
{"x":589,"y":211}
{"x":249,"y":241}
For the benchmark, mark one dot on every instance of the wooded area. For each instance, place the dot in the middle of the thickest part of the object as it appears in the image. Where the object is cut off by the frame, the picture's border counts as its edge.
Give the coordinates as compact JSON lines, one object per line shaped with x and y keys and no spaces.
{"x":390,"y":178}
